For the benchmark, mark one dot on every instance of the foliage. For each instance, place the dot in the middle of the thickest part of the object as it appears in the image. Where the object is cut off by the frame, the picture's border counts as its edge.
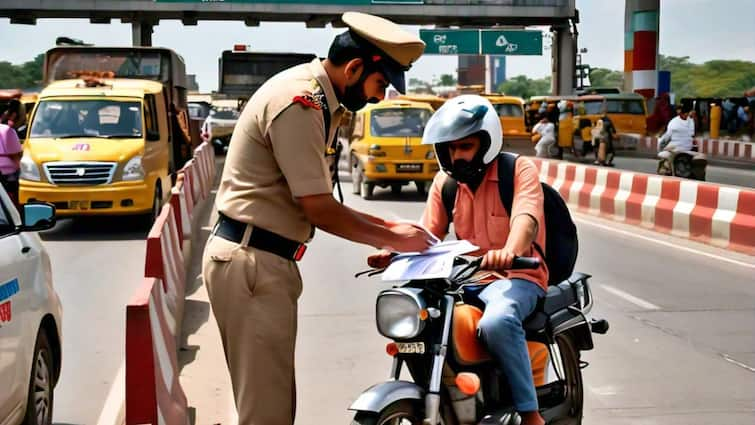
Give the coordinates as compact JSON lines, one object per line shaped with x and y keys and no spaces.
{"x":602,"y":77}
{"x":524,"y":87}
{"x":716,"y":78}
{"x":447,"y":80}
{"x":24,"y":76}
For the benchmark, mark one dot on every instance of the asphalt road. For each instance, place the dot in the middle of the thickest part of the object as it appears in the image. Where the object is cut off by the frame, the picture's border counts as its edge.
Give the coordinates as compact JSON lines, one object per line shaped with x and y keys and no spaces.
{"x":97,"y":265}
{"x":713,"y":173}
{"x":681,"y":348}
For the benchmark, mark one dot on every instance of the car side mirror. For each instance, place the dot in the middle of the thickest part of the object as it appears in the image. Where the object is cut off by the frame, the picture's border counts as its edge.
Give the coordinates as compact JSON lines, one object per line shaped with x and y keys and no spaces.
{"x":153,"y":136}
{"x":38,"y":216}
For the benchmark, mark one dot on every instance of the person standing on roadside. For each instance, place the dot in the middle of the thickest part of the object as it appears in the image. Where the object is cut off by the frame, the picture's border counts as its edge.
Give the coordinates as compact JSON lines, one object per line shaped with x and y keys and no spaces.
{"x":10,"y":161}
{"x":276,"y":189}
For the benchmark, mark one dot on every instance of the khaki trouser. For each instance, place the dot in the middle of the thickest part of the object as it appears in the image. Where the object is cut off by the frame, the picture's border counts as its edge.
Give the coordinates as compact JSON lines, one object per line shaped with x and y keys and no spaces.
{"x":254,"y":295}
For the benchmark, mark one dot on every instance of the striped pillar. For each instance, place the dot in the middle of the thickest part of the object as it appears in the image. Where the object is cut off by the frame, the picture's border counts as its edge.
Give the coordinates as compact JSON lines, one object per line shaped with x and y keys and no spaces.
{"x":641,"y":45}
{"x":628,"y":45}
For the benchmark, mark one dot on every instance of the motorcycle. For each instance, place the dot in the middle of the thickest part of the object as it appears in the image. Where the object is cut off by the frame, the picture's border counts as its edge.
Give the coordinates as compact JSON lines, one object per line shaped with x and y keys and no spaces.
{"x":433,"y":325}
{"x":684,"y":164}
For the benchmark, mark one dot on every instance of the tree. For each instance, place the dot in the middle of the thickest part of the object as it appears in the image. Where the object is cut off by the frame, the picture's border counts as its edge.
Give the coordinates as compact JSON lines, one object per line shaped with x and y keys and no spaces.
{"x":602,"y":77}
{"x":524,"y":87}
{"x":24,"y":76}
{"x":447,"y":80}
{"x":716,"y":78}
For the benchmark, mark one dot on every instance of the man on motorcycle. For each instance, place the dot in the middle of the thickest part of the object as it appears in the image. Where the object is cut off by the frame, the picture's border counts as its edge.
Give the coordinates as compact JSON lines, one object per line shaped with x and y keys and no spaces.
{"x":467,"y":137}
{"x":678,"y":136}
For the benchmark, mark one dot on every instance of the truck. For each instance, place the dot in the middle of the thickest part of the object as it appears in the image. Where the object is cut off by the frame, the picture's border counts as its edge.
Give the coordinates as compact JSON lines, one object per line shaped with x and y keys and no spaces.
{"x":109,"y":132}
{"x":242,"y":72}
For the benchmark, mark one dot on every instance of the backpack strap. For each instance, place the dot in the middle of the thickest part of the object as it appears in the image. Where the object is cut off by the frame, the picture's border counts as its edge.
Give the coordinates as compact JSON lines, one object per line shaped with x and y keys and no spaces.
{"x":448,"y":196}
{"x":506,"y":173}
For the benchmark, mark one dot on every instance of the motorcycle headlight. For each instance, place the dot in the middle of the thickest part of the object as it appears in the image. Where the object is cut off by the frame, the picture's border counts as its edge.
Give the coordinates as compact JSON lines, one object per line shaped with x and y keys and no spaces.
{"x":29,"y":169}
{"x":133,"y":169}
{"x":398,"y":313}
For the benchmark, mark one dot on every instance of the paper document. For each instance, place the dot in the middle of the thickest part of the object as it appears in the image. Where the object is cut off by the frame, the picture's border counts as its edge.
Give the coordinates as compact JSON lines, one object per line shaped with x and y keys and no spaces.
{"x":434,"y":263}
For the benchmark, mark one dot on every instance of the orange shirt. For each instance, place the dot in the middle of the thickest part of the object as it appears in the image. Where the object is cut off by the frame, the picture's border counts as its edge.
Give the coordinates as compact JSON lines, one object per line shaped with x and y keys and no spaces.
{"x":481,"y":219}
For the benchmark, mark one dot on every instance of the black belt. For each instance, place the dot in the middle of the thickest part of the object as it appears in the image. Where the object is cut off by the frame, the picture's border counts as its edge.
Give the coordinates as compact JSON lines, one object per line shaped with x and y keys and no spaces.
{"x":233,"y":230}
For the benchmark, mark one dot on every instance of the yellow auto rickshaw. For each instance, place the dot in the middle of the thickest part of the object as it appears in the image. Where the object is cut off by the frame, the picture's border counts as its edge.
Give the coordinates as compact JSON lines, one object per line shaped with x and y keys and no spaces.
{"x":385,"y":147}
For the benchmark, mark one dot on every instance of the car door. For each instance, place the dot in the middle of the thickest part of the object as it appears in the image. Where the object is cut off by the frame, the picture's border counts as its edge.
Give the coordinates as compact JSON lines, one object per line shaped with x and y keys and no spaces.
{"x":15,"y":360}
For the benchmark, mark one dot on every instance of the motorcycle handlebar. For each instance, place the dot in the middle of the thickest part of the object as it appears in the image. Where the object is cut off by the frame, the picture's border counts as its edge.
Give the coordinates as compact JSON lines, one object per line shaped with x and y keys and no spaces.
{"x":525,"y":263}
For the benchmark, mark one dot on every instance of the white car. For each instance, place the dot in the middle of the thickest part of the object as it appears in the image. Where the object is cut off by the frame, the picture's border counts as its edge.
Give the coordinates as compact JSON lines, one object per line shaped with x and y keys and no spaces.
{"x":30,"y":316}
{"x":218,"y":127}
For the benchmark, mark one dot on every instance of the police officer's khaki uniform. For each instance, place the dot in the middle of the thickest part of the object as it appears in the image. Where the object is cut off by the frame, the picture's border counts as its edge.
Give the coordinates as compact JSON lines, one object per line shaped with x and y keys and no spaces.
{"x":277,"y":153}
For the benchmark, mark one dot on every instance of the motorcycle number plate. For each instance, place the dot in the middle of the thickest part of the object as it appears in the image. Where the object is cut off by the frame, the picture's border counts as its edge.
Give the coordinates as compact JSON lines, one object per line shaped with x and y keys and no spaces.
{"x":411,"y":347}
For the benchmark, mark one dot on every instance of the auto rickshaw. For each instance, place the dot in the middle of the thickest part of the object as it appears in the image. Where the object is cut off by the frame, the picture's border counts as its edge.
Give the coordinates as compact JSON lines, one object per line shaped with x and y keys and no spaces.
{"x":386,"y":150}
{"x":431,"y":99}
{"x":627,"y":111}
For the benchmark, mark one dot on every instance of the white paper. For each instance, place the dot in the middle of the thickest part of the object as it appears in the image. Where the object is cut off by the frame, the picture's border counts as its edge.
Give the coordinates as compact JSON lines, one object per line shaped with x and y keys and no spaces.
{"x":434,"y":263}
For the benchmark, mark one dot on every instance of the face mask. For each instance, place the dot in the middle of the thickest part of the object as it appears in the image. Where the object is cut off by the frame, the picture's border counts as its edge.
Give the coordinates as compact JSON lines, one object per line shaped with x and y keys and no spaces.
{"x":467,"y":172}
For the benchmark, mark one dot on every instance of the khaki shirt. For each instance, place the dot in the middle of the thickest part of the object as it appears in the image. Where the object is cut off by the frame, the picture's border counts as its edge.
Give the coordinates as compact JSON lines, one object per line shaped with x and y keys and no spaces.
{"x":278,"y":152}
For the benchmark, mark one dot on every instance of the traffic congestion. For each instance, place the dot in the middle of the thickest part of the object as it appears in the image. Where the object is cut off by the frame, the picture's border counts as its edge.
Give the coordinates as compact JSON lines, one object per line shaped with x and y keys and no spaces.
{"x":325,"y":238}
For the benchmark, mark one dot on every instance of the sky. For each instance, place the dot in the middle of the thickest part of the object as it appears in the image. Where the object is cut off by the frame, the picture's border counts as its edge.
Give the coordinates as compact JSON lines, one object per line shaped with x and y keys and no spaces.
{"x":701,"y":29}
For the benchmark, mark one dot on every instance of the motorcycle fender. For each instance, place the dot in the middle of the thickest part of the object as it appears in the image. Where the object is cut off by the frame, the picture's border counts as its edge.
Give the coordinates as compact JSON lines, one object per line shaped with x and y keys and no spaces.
{"x":379,"y":396}
{"x":581,"y":336}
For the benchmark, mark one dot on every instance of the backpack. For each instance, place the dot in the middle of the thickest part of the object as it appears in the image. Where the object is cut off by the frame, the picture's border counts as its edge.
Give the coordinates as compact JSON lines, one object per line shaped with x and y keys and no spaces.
{"x":561,"y":243}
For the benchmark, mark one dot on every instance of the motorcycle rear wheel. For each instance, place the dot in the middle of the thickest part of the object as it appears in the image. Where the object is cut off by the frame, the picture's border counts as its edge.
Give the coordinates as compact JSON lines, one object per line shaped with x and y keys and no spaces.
{"x":572,"y":376}
{"x":402,"y":412}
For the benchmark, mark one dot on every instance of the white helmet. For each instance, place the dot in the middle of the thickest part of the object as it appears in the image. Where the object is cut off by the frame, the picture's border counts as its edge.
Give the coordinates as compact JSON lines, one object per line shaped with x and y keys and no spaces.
{"x":460,"y":117}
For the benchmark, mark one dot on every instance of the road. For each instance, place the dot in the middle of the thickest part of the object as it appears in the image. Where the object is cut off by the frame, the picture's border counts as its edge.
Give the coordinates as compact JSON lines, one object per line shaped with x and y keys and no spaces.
{"x":97,"y":264}
{"x":681,"y":349}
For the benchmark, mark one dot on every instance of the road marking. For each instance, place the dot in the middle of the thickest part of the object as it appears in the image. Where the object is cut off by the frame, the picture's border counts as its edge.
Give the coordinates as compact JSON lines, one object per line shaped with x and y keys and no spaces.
{"x":740,"y":364}
{"x":631,"y":298}
{"x":660,"y":242}
{"x":112,"y":411}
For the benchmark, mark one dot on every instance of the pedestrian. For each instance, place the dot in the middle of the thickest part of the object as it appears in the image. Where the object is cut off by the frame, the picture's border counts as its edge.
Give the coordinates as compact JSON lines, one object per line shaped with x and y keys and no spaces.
{"x":275,"y":189}
{"x":10,"y":161}
{"x":547,"y":137}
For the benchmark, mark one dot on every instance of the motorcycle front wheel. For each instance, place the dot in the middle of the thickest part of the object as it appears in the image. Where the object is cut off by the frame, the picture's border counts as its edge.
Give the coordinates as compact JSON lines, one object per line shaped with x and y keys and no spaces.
{"x":402,"y":412}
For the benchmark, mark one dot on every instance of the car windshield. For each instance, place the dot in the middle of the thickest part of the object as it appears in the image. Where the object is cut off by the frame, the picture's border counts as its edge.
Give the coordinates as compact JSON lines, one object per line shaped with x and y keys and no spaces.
{"x":197,"y":111}
{"x":225,"y":114}
{"x":399,"y":122}
{"x":508,"y":110}
{"x":87,"y":118}
{"x":633,"y":107}
{"x":594,"y":107}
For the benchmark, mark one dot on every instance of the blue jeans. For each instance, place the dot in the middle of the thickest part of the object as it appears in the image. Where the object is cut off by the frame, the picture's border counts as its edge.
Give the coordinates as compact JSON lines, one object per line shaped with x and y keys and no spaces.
{"x":507,"y":304}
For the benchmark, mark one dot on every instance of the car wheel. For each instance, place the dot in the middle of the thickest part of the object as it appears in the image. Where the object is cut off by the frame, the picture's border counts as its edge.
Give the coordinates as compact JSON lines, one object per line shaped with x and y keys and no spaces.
{"x":421,"y":187}
{"x":157,"y":206}
{"x":366,"y":189}
{"x":40,"y":398}
{"x":356,"y":176}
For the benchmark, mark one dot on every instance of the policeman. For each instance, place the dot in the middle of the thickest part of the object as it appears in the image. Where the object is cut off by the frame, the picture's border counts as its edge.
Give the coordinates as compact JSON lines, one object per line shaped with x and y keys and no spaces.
{"x":275,"y":189}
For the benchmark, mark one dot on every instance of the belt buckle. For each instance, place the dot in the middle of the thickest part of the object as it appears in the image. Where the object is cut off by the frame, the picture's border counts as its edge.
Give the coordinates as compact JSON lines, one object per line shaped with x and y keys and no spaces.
{"x":300,"y":250}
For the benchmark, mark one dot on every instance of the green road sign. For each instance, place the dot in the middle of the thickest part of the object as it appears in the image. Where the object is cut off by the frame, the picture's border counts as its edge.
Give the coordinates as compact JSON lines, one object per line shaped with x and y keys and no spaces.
{"x":451,"y":42}
{"x":497,"y":42}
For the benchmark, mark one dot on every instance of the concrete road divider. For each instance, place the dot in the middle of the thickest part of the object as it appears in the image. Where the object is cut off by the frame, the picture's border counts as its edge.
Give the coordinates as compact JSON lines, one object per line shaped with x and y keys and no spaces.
{"x":153,"y":392}
{"x":155,"y":313}
{"x":164,"y":260}
{"x":719,"y":215}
